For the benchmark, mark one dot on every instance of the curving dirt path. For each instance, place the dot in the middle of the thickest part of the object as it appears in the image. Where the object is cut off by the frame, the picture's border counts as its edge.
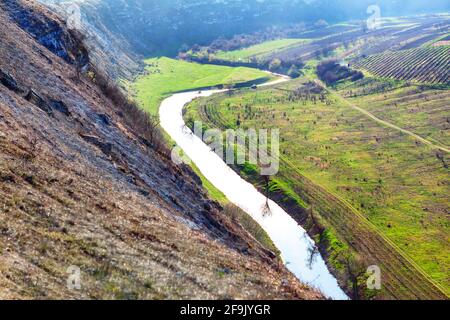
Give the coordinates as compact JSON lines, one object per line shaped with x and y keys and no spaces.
{"x":383,"y":122}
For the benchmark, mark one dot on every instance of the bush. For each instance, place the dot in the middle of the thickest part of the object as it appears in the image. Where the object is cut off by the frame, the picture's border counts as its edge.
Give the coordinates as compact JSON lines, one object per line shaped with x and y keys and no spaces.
{"x":274,"y":65}
{"x":294,"y":72}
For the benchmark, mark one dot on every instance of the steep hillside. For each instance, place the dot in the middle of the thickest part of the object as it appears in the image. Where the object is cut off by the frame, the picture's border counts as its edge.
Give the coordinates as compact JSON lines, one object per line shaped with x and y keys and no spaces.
{"x":110,"y":51}
{"x":80,"y":186}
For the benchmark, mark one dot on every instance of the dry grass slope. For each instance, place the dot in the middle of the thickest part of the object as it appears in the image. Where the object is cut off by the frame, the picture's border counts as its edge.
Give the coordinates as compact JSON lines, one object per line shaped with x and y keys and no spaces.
{"x":80,"y":186}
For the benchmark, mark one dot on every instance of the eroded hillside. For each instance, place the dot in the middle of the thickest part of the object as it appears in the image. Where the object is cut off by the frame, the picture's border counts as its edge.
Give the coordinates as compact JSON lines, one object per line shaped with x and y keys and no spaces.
{"x":80,"y":186}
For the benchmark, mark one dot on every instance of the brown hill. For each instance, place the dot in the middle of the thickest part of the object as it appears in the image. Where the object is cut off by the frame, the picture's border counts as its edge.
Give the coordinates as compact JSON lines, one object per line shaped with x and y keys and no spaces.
{"x":80,"y":186}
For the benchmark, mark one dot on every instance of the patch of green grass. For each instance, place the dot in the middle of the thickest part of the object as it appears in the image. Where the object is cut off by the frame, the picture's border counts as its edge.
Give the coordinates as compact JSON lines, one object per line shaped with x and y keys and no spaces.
{"x":165,"y":76}
{"x":279,"y":185}
{"x":259,"y":50}
{"x":249,"y":169}
{"x":335,"y":247}
{"x":418,"y":108}
{"x":397,"y":184}
{"x":310,"y":68}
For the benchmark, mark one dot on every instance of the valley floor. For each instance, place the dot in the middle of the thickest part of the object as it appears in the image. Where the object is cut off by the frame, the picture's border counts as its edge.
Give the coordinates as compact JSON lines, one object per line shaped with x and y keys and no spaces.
{"x":379,"y":189}
{"x":364,"y":163}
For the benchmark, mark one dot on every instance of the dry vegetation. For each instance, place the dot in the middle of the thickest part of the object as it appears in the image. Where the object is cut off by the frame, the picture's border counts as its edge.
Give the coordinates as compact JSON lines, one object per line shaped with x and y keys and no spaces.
{"x":85,"y":182}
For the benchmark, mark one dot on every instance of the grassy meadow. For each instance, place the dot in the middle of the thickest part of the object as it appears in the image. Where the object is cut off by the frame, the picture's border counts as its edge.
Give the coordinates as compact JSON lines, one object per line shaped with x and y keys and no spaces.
{"x":422,"y":109}
{"x":374,"y":191}
{"x":346,"y":165}
{"x":165,"y":76}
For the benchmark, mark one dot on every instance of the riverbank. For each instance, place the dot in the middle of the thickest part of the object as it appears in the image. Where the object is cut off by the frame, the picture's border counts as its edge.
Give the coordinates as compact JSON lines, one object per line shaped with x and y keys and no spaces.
{"x":289,"y":237}
{"x":313,"y":145}
{"x":164,"y":76}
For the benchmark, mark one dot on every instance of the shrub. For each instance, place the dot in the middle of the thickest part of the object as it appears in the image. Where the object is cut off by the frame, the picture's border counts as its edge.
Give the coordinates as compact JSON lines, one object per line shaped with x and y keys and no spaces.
{"x":274,"y":65}
{"x":294,"y":72}
{"x":331,"y":72}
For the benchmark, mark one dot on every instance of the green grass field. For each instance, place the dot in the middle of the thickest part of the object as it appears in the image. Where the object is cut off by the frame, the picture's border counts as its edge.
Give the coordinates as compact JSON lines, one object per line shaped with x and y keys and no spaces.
{"x":383,"y":176}
{"x":422,"y":109}
{"x":259,"y":50}
{"x":165,"y":76}
{"x":377,"y":192}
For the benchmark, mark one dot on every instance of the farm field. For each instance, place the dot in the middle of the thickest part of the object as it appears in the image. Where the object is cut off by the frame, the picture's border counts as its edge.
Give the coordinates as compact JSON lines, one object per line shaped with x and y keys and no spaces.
{"x":392,"y":35}
{"x":427,"y":65}
{"x":259,"y":50}
{"x":376,"y":190}
{"x":165,"y":76}
{"x":347,"y":41}
{"x":422,"y":109}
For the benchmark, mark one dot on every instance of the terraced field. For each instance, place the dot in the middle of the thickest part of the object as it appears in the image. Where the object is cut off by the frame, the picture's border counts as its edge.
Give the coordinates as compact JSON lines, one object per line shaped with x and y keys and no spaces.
{"x":426,"y":65}
{"x":378,"y":191}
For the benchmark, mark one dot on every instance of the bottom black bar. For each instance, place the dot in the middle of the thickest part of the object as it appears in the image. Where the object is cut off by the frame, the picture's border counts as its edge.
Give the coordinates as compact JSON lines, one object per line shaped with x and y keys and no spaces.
{"x":221,"y":309}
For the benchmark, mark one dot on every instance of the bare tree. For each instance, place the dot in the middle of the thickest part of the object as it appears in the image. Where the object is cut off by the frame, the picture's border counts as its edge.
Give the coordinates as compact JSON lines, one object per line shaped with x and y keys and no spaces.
{"x":34,"y":149}
{"x":266,"y":207}
{"x":313,"y":252}
{"x":355,"y":270}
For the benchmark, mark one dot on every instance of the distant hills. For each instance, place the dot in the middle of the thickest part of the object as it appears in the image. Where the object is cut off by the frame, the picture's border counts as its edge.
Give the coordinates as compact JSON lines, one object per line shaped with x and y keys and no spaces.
{"x":155,"y":27}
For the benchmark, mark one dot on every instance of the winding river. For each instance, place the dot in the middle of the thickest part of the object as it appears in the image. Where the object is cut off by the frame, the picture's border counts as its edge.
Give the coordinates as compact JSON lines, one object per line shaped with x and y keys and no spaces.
{"x":288,"y":236}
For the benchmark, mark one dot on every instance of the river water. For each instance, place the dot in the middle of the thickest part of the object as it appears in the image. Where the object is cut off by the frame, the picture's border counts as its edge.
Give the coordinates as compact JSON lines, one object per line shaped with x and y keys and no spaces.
{"x":288,"y":236}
